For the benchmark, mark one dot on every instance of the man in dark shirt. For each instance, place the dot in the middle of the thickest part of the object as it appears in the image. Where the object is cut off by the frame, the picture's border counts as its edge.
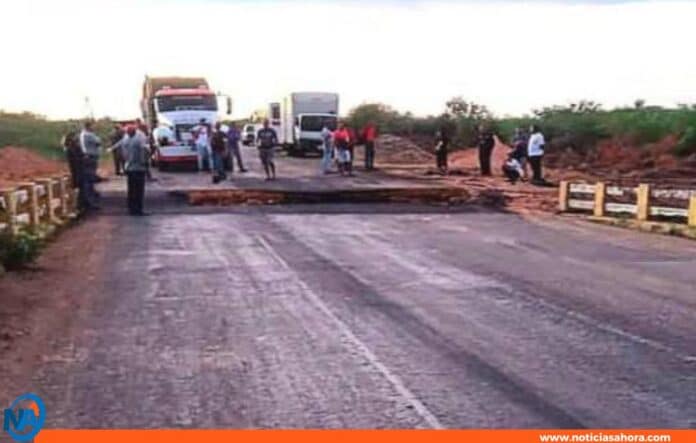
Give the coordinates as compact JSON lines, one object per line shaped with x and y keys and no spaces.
{"x":114,"y":138}
{"x":441,"y":149}
{"x":486,"y":143}
{"x":266,"y":140}
{"x":218,"y":144}
{"x":233,"y":137}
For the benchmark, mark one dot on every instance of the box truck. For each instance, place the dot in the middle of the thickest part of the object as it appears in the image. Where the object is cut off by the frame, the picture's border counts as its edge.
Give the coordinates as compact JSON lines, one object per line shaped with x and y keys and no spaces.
{"x":171,"y":107}
{"x":299,"y":118}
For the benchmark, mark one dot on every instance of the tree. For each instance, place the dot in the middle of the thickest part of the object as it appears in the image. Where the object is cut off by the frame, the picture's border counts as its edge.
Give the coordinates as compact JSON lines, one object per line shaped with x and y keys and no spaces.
{"x":460,"y":108}
{"x":382,"y":115}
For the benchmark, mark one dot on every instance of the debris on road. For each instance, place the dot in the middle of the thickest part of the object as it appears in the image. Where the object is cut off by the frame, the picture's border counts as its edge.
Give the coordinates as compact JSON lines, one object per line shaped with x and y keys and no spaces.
{"x":450,"y":195}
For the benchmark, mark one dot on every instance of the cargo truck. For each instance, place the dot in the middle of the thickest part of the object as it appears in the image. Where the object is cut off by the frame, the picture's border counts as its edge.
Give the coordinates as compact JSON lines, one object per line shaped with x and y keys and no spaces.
{"x":171,"y":107}
{"x":299,"y":118}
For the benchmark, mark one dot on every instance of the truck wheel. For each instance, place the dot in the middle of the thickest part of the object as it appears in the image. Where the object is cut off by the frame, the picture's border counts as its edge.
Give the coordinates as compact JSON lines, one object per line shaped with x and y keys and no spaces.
{"x":163,"y":167}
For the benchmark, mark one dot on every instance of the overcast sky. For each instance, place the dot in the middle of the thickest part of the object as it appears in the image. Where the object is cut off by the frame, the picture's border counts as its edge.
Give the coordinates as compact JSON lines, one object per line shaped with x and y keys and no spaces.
{"x":414,"y":55}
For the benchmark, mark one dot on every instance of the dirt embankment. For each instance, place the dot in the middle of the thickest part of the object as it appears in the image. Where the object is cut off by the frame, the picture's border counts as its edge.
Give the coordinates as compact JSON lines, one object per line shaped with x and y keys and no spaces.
{"x":19,"y":164}
{"x":621,"y":161}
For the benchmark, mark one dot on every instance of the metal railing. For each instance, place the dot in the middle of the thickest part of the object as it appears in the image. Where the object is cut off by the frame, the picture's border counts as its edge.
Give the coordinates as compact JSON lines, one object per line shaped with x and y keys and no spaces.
{"x":644,"y":202}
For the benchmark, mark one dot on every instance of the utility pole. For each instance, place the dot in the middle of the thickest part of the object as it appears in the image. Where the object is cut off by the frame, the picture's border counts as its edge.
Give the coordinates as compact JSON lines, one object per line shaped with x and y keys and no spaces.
{"x":88,"y":108}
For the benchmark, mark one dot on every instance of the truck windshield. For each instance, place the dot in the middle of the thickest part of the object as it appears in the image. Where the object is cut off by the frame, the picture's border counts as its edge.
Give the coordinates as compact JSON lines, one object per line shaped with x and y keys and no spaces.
{"x":317,"y":122}
{"x":187,"y":102}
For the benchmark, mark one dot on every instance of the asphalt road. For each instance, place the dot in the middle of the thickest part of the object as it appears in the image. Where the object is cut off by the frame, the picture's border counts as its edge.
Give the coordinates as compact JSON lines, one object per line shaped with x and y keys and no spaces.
{"x":379,"y":316}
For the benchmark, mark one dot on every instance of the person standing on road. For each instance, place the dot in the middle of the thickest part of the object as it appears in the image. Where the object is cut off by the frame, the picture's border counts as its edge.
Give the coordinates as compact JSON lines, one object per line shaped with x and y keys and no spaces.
{"x":327,"y":144}
{"x":75,"y":158}
{"x":441,"y":149}
{"x":266,"y":140}
{"x":218,"y":144}
{"x":73,"y":155}
{"x":202,"y":140}
{"x":143,"y":132}
{"x":486,"y":143}
{"x":90,"y":145}
{"x":341,"y":138}
{"x":233,"y":138}
{"x":136,"y":153}
{"x":115,"y":137}
{"x":535,"y":154}
{"x":369,"y":134}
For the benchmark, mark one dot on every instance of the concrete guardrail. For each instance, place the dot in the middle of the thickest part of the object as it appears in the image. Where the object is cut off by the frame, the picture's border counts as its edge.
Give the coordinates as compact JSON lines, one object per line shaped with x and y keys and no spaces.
{"x":50,"y":201}
{"x":643,"y":202}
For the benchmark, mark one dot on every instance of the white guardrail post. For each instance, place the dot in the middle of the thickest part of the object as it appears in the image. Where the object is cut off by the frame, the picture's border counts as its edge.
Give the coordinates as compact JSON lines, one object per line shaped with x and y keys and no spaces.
{"x":599,"y":199}
{"x":563,"y":195}
{"x":692,"y":211}
{"x":10,"y":209}
{"x":47,"y":199}
{"x":643,"y":193}
{"x":32,"y":203}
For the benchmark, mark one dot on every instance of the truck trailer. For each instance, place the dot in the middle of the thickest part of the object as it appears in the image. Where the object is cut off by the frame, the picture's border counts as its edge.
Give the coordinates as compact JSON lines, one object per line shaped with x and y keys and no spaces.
{"x":299,"y":118}
{"x":171,"y":107}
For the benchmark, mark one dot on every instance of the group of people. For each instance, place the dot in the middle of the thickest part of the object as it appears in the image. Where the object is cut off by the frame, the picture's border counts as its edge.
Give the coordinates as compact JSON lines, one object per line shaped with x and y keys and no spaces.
{"x":526,"y":147}
{"x":339,"y":147}
{"x":131,"y":152}
{"x":219,"y":149}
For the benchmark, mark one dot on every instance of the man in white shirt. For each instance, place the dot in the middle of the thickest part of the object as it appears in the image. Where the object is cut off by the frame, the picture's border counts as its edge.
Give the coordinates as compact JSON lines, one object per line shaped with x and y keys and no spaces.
{"x":202,"y":140}
{"x":327,"y":139}
{"x":535,"y":154}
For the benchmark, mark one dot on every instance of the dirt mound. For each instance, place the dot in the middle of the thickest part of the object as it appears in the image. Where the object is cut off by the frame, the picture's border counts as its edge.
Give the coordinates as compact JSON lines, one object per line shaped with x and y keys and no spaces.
{"x":19,"y":164}
{"x":399,"y":150}
{"x":621,"y":160}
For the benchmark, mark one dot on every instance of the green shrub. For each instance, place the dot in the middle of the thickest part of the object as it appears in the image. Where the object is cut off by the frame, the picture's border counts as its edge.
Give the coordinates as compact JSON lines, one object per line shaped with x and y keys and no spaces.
{"x":19,"y":250}
{"x":687,"y":144}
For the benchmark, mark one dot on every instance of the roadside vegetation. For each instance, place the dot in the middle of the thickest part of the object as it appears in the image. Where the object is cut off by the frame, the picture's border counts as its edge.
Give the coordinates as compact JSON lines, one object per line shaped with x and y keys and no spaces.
{"x":20,"y":249}
{"x":578,"y":126}
{"x":38,"y":133}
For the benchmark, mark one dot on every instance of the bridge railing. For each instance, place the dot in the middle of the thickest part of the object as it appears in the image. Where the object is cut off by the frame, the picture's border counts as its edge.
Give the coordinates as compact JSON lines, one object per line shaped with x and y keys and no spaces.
{"x":644,"y":202}
{"x":43,"y":201}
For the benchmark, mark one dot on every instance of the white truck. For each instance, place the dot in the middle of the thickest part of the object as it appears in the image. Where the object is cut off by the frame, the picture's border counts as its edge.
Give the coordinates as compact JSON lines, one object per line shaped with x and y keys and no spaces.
{"x":300,"y":117}
{"x":171,"y":107}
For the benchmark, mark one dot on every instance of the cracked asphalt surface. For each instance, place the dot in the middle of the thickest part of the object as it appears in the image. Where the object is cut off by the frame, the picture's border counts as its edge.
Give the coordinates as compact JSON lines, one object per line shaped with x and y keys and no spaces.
{"x":378,"y":316}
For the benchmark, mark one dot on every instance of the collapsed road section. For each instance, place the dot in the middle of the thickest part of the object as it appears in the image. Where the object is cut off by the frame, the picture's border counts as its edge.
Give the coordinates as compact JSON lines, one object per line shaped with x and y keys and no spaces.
{"x":437,"y":195}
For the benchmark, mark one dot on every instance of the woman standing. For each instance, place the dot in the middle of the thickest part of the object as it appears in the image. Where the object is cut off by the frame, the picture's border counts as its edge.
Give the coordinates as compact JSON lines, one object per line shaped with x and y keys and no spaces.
{"x":342,"y":143}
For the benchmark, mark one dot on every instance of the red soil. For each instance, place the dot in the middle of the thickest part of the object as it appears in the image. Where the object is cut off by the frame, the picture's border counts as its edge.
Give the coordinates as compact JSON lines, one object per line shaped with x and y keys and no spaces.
{"x":18,"y":164}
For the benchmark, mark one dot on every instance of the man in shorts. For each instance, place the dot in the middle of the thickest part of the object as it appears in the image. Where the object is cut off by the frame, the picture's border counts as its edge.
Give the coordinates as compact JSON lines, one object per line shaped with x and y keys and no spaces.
{"x":266,"y":140}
